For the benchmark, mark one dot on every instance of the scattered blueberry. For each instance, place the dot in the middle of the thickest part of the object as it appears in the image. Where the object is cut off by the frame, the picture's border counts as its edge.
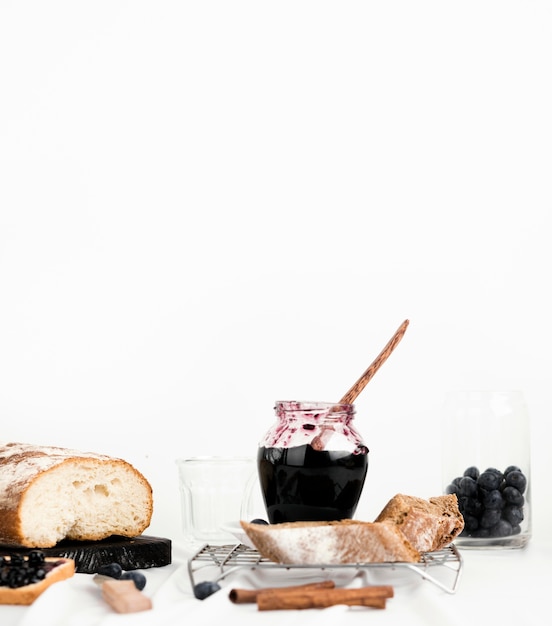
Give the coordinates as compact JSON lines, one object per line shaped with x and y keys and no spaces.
{"x":114,"y":570}
{"x":205,"y":589}
{"x":490,"y":501}
{"x":137,"y":577}
{"x":258,"y":520}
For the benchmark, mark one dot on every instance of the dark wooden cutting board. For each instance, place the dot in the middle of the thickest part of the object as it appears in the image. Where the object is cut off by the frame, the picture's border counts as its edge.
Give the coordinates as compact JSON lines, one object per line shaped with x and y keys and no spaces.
{"x":137,"y":553}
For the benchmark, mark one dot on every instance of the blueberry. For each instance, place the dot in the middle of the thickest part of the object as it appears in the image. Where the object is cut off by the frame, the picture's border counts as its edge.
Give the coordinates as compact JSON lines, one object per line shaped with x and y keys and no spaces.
{"x":16,"y":577}
{"x":467,"y":486}
{"x":260,"y":521}
{"x":513,"y":514}
{"x":205,"y":589}
{"x":472,"y":472}
{"x":452,"y":488}
{"x":502,"y":529}
{"x":516,"y":479}
{"x":513,"y":496}
{"x":489,"y":518}
{"x":39,"y":574}
{"x":137,"y":577}
{"x":36,"y":557}
{"x":492,"y":499}
{"x":471,"y":506}
{"x":511,"y":468}
{"x":471,"y":522}
{"x":490,"y":479}
{"x":114,"y":570}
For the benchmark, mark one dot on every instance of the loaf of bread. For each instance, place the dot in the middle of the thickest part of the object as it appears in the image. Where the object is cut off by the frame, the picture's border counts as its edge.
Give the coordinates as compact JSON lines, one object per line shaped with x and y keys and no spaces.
{"x":331,"y":543}
{"x":428,"y":525}
{"x":49,"y":493}
{"x":56,"y":569}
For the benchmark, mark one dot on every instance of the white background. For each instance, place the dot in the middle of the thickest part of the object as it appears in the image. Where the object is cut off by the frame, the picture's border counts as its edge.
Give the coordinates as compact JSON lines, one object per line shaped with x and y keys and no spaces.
{"x":208,"y":206}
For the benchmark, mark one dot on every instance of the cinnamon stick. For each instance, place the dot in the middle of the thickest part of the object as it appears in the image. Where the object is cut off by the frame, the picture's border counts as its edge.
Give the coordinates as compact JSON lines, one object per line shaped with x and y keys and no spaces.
{"x":244,"y":596}
{"x":373,"y":596}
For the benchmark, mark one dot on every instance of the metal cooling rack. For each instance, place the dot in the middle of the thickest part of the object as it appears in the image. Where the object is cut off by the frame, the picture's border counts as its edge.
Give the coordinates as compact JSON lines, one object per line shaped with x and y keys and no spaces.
{"x":442,"y":568}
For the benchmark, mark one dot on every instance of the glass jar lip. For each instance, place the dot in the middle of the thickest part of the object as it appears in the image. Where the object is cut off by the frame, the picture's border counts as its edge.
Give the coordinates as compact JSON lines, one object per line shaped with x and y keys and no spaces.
{"x":314,"y":405}
{"x":215,"y":459}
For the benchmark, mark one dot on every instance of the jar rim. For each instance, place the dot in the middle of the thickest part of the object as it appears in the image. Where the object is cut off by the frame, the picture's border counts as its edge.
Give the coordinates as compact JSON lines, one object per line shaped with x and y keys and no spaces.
{"x":314,"y":405}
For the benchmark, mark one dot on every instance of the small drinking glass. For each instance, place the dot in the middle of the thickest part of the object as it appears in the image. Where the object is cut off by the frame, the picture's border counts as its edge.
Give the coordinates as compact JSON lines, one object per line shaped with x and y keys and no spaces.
{"x":214,"y":492}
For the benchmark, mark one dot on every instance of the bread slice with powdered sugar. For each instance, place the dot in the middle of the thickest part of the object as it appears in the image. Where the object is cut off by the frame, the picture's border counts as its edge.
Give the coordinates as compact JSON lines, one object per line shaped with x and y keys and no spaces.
{"x":331,"y":543}
{"x":406,"y":527}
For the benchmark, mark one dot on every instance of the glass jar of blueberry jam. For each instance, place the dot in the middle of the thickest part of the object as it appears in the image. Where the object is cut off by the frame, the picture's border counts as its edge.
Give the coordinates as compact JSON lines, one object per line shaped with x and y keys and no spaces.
{"x":312,"y":463}
{"x":486,"y":463}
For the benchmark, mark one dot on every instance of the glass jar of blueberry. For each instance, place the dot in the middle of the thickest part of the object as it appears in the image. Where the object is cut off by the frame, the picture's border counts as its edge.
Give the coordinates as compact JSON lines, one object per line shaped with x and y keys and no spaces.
{"x":312,"y":463}
{"x":486,"y":463}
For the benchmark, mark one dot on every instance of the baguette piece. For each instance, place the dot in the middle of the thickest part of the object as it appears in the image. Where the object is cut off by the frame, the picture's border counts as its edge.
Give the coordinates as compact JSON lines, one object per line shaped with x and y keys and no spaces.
{"x":58,"y":569}
{"x":429,"y":525}
{"x":49,"y":493}
{"x":331,"y":543}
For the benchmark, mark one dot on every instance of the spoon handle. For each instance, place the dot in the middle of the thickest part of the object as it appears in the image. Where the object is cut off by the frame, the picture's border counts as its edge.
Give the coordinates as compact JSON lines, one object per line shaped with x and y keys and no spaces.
{"x":353,"y":392}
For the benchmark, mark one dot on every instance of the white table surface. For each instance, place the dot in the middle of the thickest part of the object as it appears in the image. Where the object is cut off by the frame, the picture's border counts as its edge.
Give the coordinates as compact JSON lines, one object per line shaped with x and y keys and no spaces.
{"x":495,"y":587}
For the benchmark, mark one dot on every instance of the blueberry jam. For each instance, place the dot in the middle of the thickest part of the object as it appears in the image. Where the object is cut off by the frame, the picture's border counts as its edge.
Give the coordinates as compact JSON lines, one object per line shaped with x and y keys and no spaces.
{"x":18,"y":571}
{"x":300,"y":483}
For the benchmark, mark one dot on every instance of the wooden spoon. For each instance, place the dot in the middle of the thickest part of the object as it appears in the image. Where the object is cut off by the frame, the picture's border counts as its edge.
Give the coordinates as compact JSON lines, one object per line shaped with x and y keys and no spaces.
{"x":319,"y":442}
{"x":353,"y":392}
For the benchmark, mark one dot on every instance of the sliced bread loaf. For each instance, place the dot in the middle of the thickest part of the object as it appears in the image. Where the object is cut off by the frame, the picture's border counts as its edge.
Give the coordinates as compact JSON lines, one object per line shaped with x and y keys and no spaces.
{"x":49,"y":493}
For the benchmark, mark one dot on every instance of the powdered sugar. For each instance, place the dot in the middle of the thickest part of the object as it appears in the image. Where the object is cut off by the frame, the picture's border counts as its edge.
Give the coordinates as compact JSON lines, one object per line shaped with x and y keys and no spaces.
{"x":307,"y":545}
{"x":21,"y":462}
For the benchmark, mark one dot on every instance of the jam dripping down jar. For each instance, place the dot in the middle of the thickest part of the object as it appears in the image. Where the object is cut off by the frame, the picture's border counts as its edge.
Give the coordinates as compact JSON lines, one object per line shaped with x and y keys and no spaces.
{"x":312,"y":463}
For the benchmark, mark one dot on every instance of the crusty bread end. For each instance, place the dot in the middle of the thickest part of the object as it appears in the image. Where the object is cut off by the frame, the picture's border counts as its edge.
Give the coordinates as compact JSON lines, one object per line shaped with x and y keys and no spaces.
{"x":429,"y":525}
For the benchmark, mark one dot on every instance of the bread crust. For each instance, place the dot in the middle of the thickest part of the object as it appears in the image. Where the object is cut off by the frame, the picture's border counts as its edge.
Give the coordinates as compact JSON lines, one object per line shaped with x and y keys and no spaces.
{"x":29,"y":593}
{"x":331,"y":543}
{"x":24,"y":472}
{"x":429,"y":525}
